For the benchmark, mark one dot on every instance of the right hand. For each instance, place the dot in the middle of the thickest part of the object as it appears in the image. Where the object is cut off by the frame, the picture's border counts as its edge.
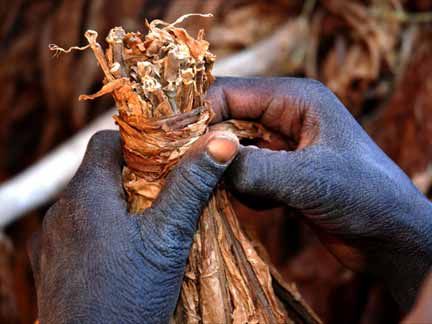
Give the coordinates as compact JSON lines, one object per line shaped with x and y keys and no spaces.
{"x":362,"y":205}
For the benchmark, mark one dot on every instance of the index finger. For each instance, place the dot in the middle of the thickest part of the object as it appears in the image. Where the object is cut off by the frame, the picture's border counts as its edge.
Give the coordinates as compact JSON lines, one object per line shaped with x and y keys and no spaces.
{"x":100,"y":173}
{"x":266,"y":100}
{"x":297,"y":108}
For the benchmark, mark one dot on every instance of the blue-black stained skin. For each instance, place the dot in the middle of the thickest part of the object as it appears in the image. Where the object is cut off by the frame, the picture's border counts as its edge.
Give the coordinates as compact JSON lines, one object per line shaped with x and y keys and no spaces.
{"x":338,"y":178}
{"x":95,"y":263}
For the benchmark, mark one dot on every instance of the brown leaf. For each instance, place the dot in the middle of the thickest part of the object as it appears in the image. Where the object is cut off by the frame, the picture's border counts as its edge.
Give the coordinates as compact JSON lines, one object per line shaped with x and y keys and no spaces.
{"x":159,"y":96}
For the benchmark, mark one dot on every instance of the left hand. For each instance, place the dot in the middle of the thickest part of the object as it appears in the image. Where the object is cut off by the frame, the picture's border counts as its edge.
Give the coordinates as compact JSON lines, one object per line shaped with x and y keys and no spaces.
{"x":323,"y":164}
{"x":94,"y":262}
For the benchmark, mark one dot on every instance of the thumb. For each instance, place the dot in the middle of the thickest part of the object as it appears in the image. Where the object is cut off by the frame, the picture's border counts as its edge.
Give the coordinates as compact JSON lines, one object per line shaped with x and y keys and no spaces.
{"x":190,"y":184}
{"x":277,"y":175}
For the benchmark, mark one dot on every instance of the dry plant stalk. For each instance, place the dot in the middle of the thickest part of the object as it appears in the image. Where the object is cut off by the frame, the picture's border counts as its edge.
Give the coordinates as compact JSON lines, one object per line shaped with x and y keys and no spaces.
{"x":158,"y":81}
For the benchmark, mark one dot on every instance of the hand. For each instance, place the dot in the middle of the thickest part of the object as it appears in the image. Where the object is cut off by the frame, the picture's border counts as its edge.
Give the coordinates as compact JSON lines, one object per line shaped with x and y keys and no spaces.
{"x":363,"y":207}
{"x":96,"y":263}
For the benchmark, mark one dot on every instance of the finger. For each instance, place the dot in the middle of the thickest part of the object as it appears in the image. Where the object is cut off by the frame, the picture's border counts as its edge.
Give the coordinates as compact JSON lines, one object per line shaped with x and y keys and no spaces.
{"x":93,"y":201}
{"x":239,"y":98}
{"x":261,"y":99}
{"x":295,"y":107}
{"x":277,"y":175}
{"x":190,"y":184}
{"x":101,"y":169}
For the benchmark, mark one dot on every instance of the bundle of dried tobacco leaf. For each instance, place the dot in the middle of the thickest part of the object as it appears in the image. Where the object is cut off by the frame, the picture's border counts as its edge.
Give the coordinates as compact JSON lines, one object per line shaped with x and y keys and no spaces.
{"x":158,"y":81}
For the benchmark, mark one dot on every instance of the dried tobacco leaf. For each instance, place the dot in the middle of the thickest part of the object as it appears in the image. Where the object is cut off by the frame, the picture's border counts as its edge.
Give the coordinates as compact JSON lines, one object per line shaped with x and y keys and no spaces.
{"x":158,"y":81}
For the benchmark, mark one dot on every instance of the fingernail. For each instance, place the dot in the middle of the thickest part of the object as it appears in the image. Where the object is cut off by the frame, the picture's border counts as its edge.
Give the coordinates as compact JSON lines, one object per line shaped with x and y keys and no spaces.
{"x":223,"y":149}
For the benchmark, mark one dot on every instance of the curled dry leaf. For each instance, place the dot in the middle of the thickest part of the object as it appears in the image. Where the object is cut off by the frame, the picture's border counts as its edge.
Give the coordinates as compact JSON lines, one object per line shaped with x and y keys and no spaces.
{"x":355,"y":62}
{"x":158,"y":81}
{"x":407,"y":115}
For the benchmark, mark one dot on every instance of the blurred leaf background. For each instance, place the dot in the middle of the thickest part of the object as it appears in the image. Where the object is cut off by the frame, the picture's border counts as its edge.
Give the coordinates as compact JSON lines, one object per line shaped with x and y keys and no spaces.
{"x":375,"y":55}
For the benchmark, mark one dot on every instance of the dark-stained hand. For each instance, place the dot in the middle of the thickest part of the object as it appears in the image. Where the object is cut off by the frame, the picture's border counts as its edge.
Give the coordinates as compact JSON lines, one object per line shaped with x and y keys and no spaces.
{"x":95,"y":263}
{"x":363,"y":207}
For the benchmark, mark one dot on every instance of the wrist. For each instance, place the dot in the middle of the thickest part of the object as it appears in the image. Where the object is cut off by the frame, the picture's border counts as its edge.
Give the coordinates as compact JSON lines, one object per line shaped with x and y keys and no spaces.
{"x":404,"y":256}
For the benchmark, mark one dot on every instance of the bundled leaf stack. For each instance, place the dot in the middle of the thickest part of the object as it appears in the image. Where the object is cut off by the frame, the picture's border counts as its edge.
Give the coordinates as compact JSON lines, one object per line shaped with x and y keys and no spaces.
{"x":158,"y":81}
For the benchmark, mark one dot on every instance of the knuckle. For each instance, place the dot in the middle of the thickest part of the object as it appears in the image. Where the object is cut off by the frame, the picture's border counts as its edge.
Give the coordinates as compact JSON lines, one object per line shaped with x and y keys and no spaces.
{"x":194,"y":185}
{"x":316,"y":86}
{"x":316,"y":89}
{"x":197,"y":181}
{"x":201,"y":175}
